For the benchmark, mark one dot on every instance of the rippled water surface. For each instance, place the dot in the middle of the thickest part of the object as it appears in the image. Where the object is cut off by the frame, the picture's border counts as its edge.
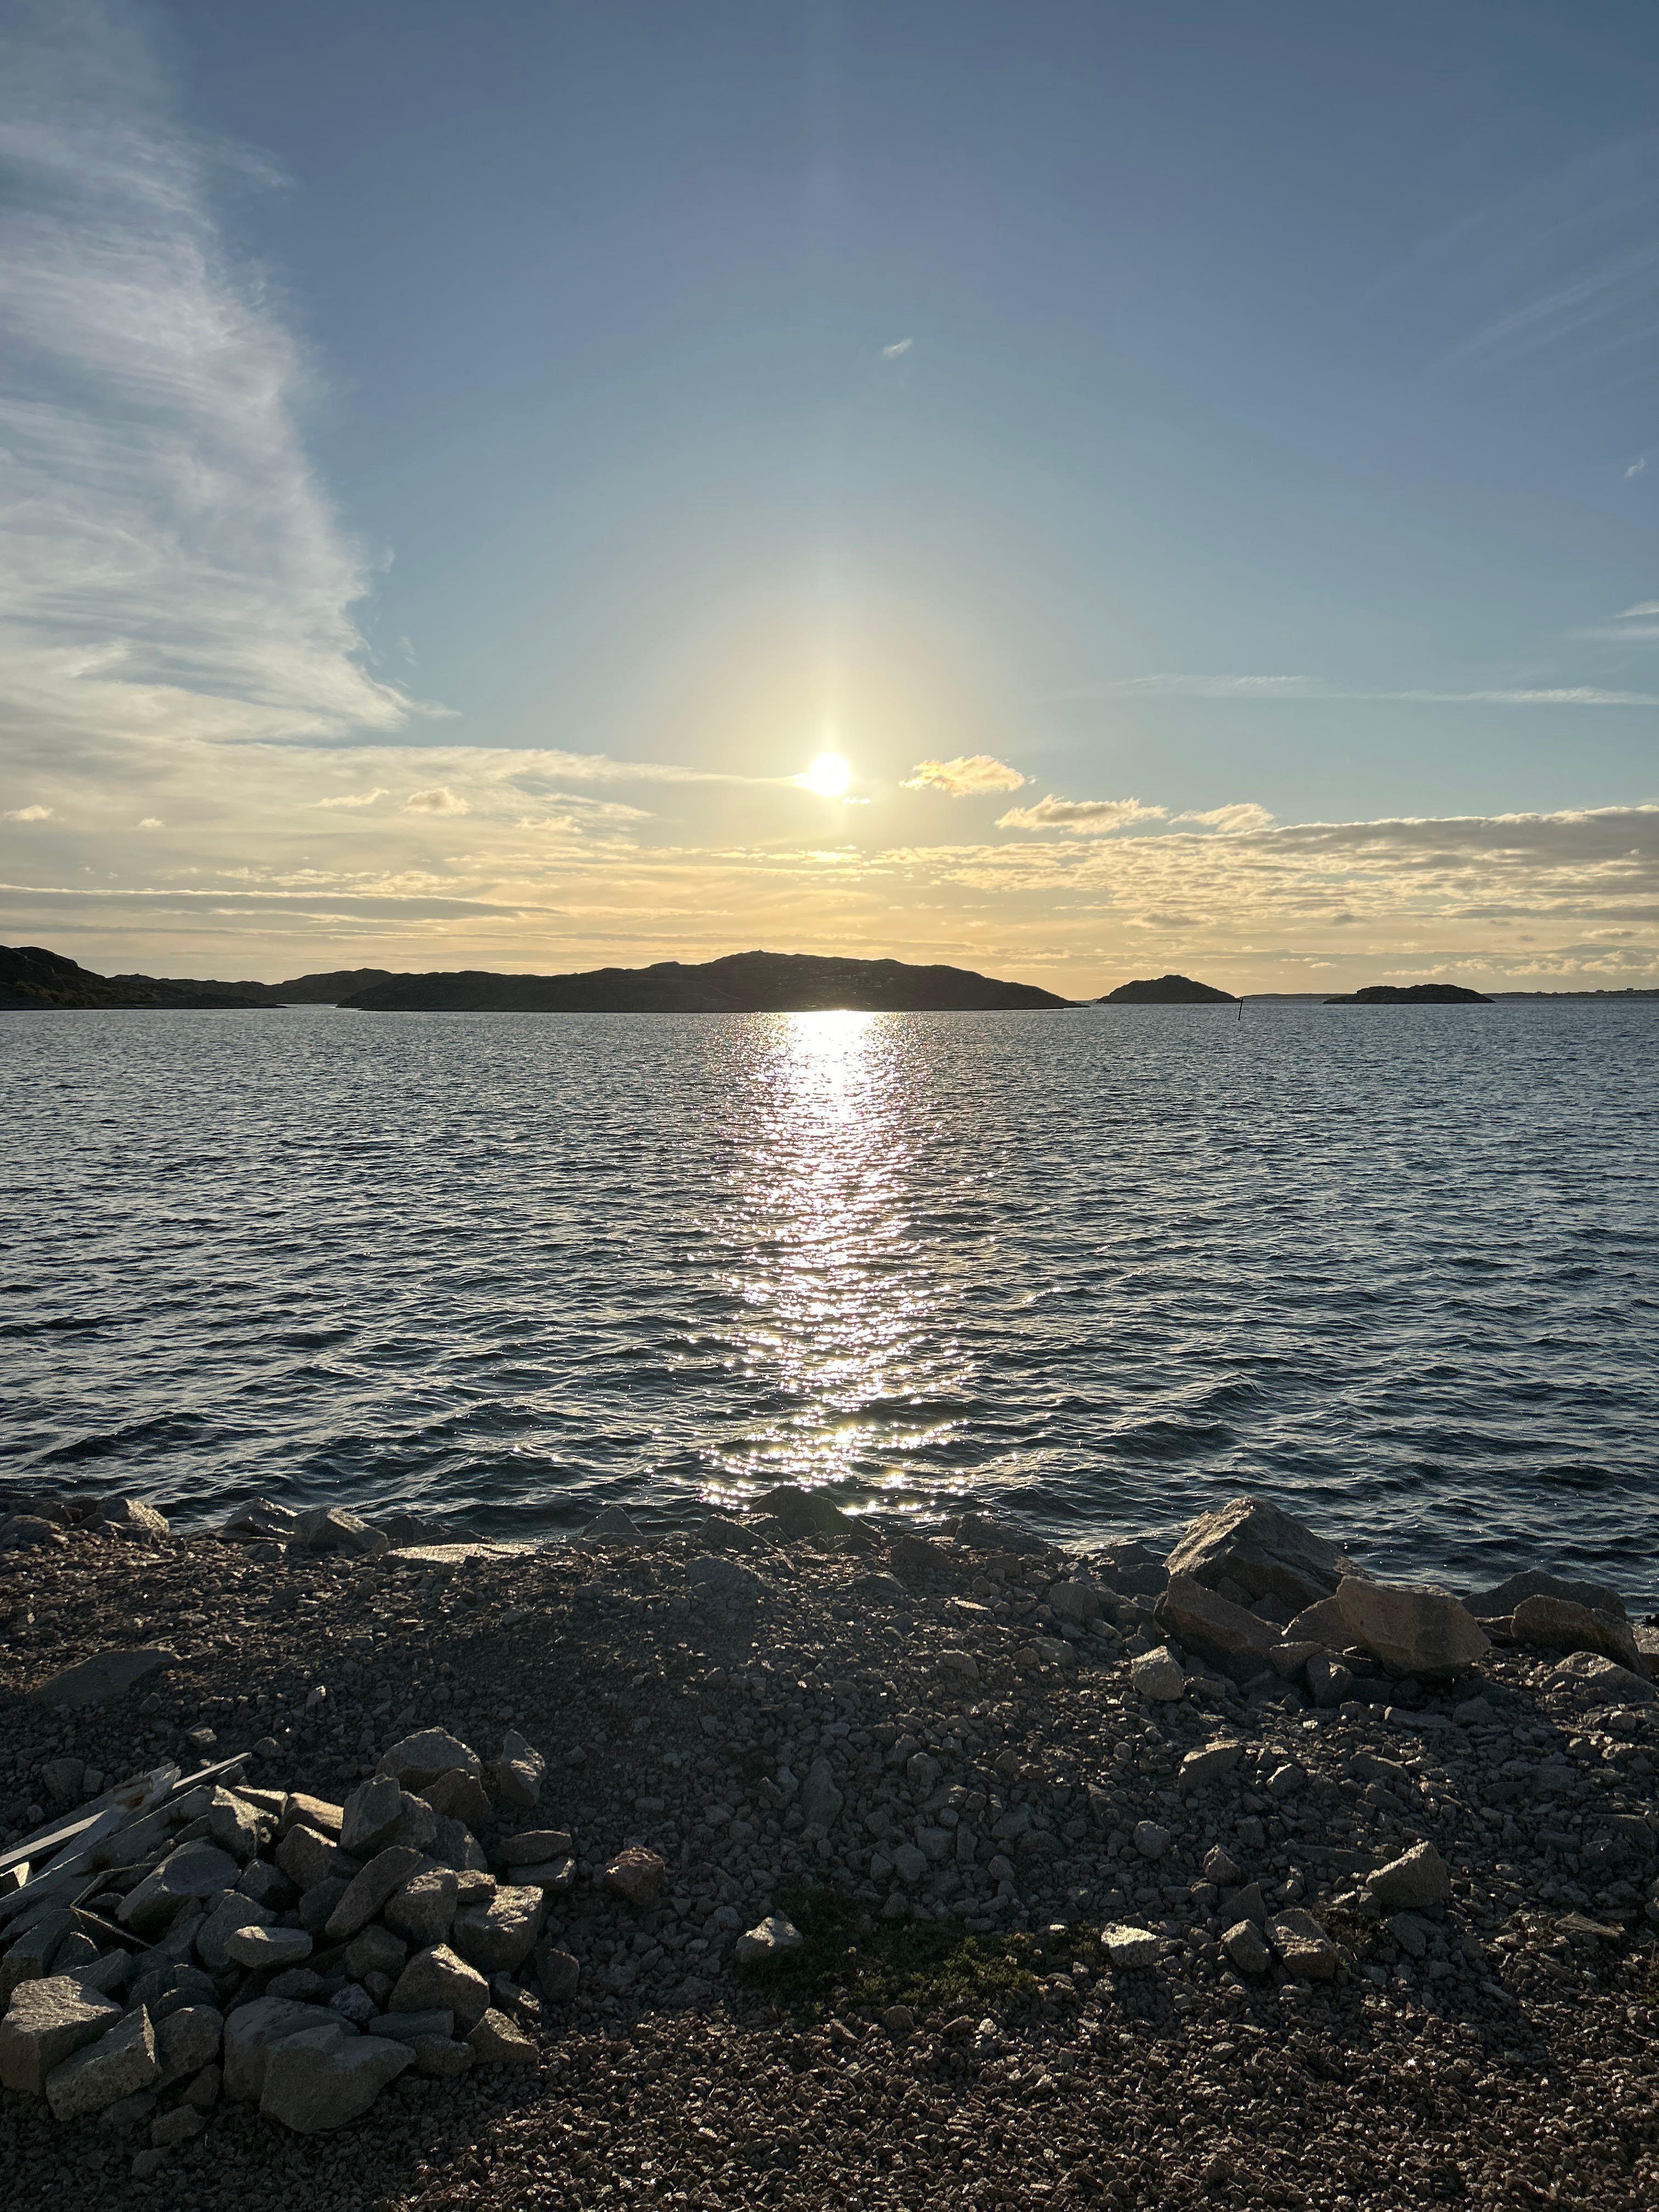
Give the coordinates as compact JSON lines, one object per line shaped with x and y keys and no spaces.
{"x":1398,"y":1268}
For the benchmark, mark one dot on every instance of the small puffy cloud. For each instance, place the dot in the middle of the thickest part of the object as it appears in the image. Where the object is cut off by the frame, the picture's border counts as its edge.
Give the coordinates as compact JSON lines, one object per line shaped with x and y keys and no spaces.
{"x":1084,"y":817}
{"x":356,"y":798}
{"x":892,"y":352}
{"x":152,"y":822}
{"x":27,"y":814}
{"x":1242,"y":814}
{"x":1638,"y":468}
{"x":437,"y":799}
{"x":968,"y":776}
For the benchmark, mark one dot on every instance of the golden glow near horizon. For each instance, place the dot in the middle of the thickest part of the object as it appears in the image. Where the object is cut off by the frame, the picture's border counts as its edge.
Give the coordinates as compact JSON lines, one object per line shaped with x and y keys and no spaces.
{"x":829,"y":775}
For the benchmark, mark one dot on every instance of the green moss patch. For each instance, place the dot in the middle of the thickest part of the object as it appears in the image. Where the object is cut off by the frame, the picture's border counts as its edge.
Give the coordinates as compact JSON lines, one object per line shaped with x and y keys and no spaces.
{"x":850,"y":1957}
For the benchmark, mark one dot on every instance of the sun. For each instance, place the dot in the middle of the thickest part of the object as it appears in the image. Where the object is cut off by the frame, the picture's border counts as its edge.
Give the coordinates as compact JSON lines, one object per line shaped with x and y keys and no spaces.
{"x":829,"y":775}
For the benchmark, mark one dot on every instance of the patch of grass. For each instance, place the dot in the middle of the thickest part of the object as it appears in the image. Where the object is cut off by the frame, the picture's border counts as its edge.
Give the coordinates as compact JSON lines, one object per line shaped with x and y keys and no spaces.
{"x":851,"y":1957}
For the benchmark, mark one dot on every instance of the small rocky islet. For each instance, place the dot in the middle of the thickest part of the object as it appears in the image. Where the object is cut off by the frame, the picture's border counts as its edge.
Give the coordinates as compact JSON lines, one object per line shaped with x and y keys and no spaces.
{"x":800,"y":1858}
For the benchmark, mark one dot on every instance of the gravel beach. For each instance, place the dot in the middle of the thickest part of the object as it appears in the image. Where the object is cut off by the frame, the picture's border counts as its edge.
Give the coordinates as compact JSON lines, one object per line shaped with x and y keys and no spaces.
{"x":1066,"y":1910}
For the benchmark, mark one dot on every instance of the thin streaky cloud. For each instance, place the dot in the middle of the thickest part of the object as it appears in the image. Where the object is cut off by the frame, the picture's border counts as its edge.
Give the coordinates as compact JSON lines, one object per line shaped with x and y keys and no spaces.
{"x":892,"y":352}
{"x":1270,"y":689}
{"x":1085,"y":817}
{"x":354,"y":798}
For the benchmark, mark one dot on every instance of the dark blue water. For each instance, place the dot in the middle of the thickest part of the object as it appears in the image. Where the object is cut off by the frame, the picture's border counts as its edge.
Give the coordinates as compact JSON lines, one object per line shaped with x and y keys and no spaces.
{"x":1397,"y":1268}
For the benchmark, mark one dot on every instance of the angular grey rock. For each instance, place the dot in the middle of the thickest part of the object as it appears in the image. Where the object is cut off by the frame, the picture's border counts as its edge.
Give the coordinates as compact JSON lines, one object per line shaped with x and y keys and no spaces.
{"x":307,"y":1856}
{"x":516,"y":1776}
{"x":636,"y":1874}
{"x":909,"y":1864}
{"x":775,"y":1937}
{"x":353,"y":2003}
{"x":46,"y":2022}
{"x":1504,"y":1597}
{"x":31,"y":1955}
{"x":498,"y":1936}
{"x":100,"y":1681}
{"x":613,"y":1526}
{"x":119,"y":2064}
{"x":1150,"y":1840}
{"x":821,"y":1801}
{"x":325,"y":2077}
{"x":1555,"y":1623}
{"x":317,"y":1904}
{"x":1200,"y":1619}
{"x":194,"y":1870}
{"x":558,"y":1970}
{"x":262,"y":1948}
{"x":186,"y":2042}
{"x":1208,"y":1763}
{"x":261,"y":1522}
{"x":1605,"y":1681}
{"x":221,"y":1922}
{"x":251,"y":2031}
{"x":534,"y":1847}
{"x":366,"y":1893}
{"x":369,"y":1815}
{"x":301,"y":1810}
{"x":1129,"y":1947}
{"x":1075,"y":1601}
{"x":235,"y":1825}
{"x":497,"y":2041}
{"x":1264,"y":1552}
{"x":331,"y":1528}
{"x":416,"y":1760}
{"x":455,"y":1845}
{"x":459,"y":1797}
{"x":375,"y":1951}
{"x":439,"y":1980}
{"x":1418,"y":1879}
{"x":1244,"y":1946}
{"x":176,"y":2127}
{"x":130,"y":1516}
{"x":1158,"y":1674}
{"x":423,"y":1910}
{"x":1304,"y":1946}
{"x":65,"y":1779}
{"x":27,"y":1532}
{"x":716,"y":1576}
{"x":1413,"y":1631}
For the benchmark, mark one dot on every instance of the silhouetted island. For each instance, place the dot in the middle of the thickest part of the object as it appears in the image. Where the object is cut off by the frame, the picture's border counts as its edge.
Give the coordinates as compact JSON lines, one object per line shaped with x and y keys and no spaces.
{"x":741,"y":983}
{"x":1411,"y":994}
{"x":1167,"y":991}
{"x":32,"y":976}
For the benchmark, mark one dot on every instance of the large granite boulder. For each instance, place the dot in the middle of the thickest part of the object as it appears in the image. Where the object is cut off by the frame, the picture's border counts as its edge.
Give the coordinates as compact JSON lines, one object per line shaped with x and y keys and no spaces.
{"x":119,"y":2064}
{"x":1260,"y":1551}
{"x":1412,"y":1631}
{"x":325,"y":2077}
{"x":1535,"y":1582}
{"x":1199,"y":1619}
{"x":1556,"y":1624}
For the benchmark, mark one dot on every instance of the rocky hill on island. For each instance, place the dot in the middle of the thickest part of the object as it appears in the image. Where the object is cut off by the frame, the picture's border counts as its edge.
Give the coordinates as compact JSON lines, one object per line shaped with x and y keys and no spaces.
{"x":1411,"y":994}
{"x":1167,"y":991}
{"x":742,"y":983}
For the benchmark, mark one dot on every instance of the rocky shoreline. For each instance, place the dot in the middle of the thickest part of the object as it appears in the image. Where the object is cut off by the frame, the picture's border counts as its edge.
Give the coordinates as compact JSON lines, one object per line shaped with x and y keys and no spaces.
{"x":797,"y":1859}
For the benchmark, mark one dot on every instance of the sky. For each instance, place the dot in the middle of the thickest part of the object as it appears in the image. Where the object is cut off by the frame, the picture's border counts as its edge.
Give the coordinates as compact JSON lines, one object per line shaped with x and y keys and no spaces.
{"x":1197,"y":467}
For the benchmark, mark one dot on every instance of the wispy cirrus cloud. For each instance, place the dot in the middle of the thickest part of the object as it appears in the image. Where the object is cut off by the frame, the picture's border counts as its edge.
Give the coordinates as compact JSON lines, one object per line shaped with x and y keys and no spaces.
{"x":1271,"y":689}
{"x":969,"y":775}
{"x":1084,"y":817}
{"x":168,"y":559}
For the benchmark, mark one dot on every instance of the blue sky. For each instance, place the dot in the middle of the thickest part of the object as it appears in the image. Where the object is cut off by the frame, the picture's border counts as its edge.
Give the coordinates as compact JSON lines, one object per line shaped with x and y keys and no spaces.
{"x":461,"y":466}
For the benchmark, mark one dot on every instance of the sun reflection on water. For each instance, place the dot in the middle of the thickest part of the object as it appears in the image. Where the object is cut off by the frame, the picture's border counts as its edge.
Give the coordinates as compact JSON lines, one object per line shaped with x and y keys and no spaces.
{"x":838,"y":1333}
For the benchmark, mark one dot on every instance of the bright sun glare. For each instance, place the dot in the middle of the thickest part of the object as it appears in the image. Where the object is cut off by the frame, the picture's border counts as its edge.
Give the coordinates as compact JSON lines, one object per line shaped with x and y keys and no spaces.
{"x":829,"y":775}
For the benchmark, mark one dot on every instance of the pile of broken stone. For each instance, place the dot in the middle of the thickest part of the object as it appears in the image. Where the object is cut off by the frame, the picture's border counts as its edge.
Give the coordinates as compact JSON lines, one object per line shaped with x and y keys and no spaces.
{"x":184,"y":1939}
